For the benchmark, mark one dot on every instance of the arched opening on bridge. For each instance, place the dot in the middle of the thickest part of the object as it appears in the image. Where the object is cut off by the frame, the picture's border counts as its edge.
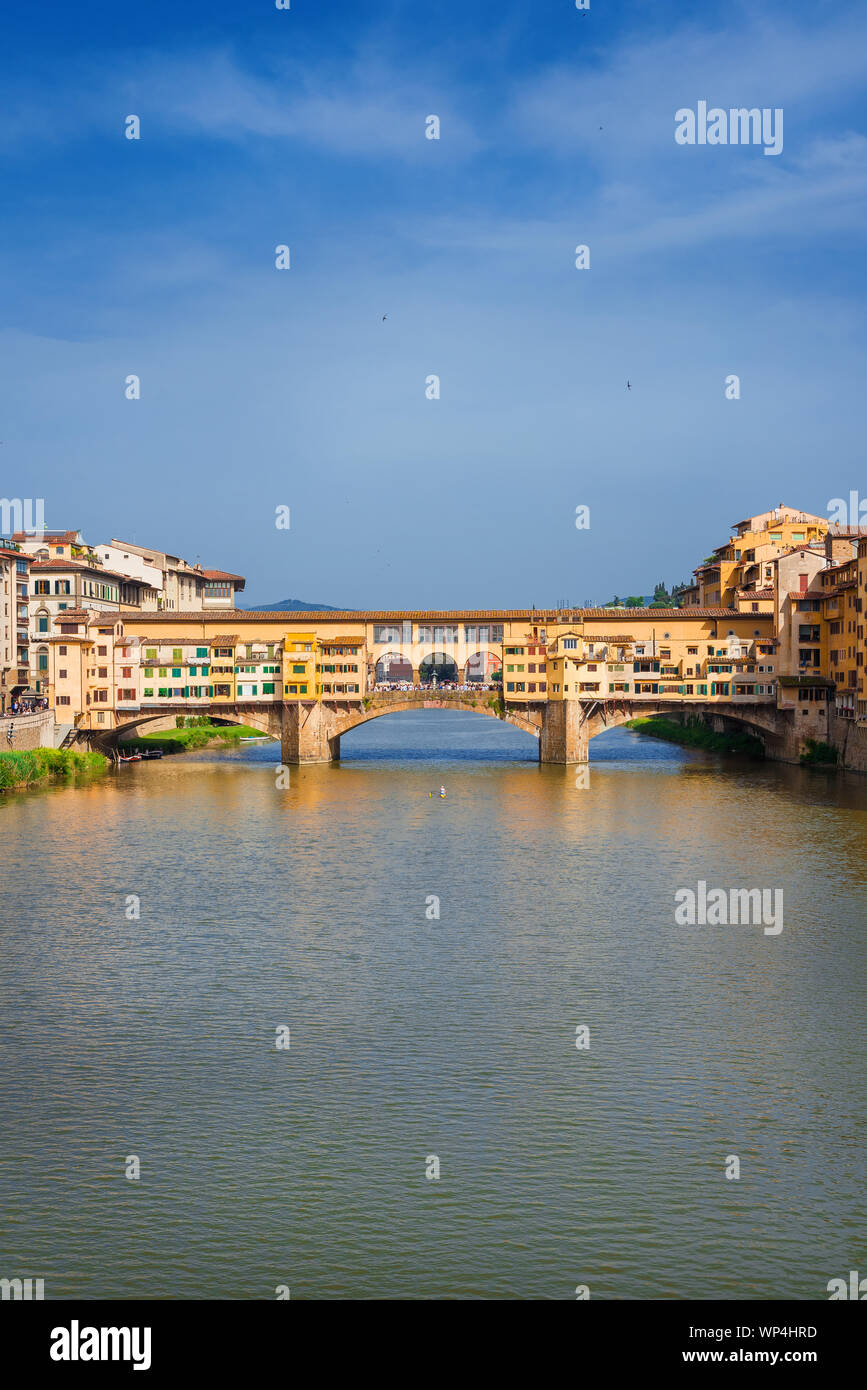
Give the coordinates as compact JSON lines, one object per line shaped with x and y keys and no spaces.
{"x":483,"y":668}
{"x":434,"y":735}
{"x":438,"y":669}
{"x":393,"y":668}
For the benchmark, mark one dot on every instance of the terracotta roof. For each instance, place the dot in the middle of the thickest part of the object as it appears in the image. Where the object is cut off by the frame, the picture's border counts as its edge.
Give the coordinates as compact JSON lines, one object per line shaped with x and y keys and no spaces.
{"x":223,"y":574}
{"x":345,"y":641}
{"x":228,"y":639}
{"x":541,"y":616}
{"x":162,"y":641}
{"x":15,"y":555}
{"x":756,"y":593}
{"x":85,"y":565}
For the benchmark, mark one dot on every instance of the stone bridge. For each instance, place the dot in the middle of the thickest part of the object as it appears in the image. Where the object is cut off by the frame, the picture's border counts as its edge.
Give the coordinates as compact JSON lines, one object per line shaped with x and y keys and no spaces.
{"x":310,"y":731}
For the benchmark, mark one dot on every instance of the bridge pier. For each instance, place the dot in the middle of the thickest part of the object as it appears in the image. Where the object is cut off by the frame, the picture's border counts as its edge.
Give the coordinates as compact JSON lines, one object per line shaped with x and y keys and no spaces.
{"x":306,"y":734}
{"x":563,"y":739}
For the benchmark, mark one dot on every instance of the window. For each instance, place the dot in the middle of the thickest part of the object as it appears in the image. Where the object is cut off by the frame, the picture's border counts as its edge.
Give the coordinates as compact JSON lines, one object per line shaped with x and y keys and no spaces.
{"x":42,"y":586}
{"x":299,"y":670}
{"x":61,"y":651}
{"x":163,"y":672}
{"x":176,"y":672}
{"x":201,"y":651}
{"x":42,"y":625}
{"x":62,"y":700}
{"x":267,"y":687}
{"x":151,"y":654}
{"x":61,"y":675}
{"x":148,"y":694}
{"x":176,"y":657}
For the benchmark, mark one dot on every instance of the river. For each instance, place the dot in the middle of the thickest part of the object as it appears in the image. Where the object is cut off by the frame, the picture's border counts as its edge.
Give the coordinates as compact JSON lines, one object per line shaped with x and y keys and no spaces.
{"x":415,"y":1037}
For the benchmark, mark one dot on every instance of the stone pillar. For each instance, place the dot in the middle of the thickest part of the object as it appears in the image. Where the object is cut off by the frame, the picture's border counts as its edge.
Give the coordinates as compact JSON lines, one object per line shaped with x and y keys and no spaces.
{"x":563,"y":740}
{"x":416,"y":676}
{"x":306,"y":734}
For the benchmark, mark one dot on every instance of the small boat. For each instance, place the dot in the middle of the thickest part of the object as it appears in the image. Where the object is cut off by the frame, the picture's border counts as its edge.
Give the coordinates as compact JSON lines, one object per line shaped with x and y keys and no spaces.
{"x":255,"y":738}
{"x":148,"y":753}
{"x":129,"y":757}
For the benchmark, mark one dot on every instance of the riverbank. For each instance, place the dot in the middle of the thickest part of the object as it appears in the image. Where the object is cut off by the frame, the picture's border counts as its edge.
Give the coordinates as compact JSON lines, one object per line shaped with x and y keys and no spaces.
{"x":187,"y":739}
{"x":28,"y":768}
{"x":695,"y":734}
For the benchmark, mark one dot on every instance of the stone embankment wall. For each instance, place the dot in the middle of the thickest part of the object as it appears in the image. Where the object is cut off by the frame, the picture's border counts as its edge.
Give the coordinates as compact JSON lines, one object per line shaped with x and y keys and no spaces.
{"x":851,"y":740}
{"x":28,"y":731}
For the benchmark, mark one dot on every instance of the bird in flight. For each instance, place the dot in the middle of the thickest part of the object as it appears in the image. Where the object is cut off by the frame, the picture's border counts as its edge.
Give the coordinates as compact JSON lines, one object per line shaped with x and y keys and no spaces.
{"x":384,"y":317}
{"x":629,"y":385}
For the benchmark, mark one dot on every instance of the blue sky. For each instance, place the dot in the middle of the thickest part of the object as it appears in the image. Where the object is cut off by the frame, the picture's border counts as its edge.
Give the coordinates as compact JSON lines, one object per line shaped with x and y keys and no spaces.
{"x":262,"y":388}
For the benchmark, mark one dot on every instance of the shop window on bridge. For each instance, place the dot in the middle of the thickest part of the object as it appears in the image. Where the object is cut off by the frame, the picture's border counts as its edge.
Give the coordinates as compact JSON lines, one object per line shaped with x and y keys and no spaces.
{"x":176,"y":672}
{"x":267,"y":687}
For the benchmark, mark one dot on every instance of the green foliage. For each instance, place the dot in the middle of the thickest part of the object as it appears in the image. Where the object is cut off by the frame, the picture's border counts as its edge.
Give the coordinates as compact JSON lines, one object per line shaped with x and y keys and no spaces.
{"x":817,"y":752}
{"x":198,"y":734}
{"x":26,"y":768}
{"x":695,"y":734}
{"x":635,"y":601}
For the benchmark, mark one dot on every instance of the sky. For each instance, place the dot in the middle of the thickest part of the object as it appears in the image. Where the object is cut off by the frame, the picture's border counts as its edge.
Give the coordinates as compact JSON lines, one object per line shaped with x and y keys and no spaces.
{"x":307,"y":388}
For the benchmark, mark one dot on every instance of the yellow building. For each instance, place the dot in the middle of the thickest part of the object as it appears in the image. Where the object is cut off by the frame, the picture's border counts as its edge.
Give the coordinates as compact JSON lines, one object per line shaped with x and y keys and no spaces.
{"x":839,"y":637}
{"x":299,"y":666}
{"x":341,"y":667}
{"x":861,"y":645}
{"x":745,"y":561}
{"x":222,"y":677}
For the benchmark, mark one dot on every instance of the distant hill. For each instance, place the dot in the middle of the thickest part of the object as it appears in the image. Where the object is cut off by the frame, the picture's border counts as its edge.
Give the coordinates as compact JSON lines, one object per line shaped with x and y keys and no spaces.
{"x":293,"y":605}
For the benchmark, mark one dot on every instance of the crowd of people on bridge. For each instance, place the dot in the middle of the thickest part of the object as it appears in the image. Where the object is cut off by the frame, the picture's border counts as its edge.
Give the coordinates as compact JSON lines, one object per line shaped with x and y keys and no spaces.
{"x":468,"y":687}
{"x":28,"y":704}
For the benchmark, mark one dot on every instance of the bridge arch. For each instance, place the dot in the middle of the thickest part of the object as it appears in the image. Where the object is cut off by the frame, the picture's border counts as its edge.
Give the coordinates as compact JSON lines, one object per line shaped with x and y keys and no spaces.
{"x":482,"y":666}
{"x":264,"y":718}
{"x":439,"y":664}
{"x":393,"y":666}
